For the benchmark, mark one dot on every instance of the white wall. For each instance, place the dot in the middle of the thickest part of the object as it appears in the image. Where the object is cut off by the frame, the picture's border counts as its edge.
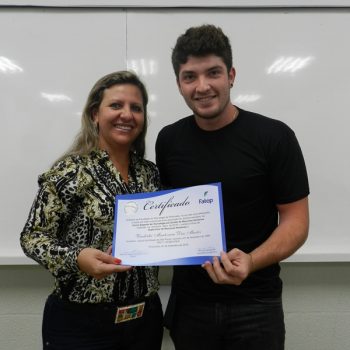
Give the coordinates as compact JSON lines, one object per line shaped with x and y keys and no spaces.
{"x":316,"y":295}
{"x":316,"y":301}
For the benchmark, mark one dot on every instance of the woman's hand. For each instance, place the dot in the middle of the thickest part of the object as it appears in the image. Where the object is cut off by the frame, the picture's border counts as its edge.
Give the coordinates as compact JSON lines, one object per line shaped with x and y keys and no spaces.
{"x":98,"y":264}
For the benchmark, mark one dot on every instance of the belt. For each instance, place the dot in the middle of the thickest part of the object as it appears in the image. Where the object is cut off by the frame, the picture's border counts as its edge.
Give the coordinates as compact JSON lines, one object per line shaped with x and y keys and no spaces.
{"x":70,"y":305}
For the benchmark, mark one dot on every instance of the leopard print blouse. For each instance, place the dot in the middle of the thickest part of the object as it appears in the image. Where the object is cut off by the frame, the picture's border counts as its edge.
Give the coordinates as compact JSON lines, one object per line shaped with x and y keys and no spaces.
{"x":74,"y":209}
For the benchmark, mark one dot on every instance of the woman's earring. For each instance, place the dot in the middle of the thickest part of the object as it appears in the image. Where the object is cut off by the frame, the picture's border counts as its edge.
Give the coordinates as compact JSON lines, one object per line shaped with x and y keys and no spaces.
{"x":97,"y":127}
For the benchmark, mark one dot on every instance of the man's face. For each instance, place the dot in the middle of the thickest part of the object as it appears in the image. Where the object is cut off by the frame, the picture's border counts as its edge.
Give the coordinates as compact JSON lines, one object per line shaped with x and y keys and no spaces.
{"x":205,"y":85}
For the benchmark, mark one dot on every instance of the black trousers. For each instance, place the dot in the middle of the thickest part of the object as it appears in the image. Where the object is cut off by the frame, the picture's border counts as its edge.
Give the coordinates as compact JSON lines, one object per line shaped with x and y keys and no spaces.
{"x":250,"y":325}
{"x":72,"y":326}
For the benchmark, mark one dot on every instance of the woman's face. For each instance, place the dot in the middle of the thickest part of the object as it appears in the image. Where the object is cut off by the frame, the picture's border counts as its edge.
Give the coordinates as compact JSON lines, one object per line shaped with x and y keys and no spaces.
{"x":120,"y":117}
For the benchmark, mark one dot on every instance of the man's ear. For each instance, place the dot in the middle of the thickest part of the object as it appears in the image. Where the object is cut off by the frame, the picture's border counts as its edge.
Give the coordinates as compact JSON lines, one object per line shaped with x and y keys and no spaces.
{"x":232,"y":75}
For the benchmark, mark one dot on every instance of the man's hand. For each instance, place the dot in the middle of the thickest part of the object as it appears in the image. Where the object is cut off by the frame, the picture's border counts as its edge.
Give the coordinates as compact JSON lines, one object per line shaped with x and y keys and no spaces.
{"x":98,"y":264}
{"x":234,"y":268}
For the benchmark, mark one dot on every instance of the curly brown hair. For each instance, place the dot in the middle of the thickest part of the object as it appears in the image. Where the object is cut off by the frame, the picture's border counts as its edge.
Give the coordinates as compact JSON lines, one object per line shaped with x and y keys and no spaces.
{"x":201,"y":41}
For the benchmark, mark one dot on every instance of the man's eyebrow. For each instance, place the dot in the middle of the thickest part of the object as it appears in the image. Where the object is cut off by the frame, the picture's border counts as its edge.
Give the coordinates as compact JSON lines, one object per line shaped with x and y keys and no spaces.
{"x":187,"y":71}
{"x":215,"y":67}
{"x":208,"y":69}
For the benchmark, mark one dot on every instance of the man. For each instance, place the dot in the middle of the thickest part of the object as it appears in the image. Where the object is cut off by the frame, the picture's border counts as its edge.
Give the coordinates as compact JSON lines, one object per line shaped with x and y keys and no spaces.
{"x":234,"y":302}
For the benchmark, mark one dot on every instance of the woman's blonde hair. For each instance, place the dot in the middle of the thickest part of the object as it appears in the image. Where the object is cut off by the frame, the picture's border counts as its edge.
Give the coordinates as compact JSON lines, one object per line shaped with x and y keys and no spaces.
{"x":87,"y":138}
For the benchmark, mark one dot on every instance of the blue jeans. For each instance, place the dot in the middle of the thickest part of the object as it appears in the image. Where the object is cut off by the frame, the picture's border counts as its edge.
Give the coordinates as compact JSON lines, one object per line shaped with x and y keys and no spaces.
{"x":70,"y":326}
{"x":250,"y":325}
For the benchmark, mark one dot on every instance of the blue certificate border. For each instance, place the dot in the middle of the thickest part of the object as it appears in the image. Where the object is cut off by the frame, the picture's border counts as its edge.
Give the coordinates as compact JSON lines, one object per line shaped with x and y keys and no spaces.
{"x":191,"y":260}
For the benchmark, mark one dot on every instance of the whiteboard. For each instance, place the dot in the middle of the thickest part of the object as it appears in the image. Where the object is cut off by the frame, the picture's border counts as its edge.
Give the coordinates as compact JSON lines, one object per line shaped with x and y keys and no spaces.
{"x":292,"y":65}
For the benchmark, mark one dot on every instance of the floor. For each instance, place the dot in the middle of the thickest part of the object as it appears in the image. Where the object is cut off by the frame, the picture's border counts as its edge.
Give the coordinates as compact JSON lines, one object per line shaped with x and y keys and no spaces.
{"x":167,"y":343}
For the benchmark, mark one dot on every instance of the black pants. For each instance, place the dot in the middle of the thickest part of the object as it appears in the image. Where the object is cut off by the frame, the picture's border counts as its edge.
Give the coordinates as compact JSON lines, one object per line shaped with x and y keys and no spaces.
{"x":251,"y":325}
{"x":71,"y":326}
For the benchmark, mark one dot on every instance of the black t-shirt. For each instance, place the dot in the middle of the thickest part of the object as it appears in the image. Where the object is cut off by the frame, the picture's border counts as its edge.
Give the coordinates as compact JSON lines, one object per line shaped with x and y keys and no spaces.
{"x":259,"y":163}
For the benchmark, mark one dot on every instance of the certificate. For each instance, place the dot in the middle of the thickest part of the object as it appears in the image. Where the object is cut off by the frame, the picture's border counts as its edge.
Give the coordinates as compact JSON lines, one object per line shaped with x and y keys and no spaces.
{"x":183,"y":226}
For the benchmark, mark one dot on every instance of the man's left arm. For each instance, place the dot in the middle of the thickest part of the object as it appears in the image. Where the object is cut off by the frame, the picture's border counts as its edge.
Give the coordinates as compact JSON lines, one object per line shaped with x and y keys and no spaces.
{"x":289,"y":235}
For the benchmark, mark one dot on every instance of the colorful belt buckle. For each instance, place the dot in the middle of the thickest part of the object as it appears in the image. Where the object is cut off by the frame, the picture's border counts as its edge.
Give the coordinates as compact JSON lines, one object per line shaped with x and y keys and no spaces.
{"x":129,"y":312}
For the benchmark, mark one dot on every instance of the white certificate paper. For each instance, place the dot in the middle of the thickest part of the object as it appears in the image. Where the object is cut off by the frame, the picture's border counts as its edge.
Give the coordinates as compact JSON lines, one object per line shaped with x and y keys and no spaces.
{"x":174,"y":227}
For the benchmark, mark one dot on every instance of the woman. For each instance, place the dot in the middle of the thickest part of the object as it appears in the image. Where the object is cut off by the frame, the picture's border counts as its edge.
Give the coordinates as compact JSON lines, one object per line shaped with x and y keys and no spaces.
{"x":69,"y":228}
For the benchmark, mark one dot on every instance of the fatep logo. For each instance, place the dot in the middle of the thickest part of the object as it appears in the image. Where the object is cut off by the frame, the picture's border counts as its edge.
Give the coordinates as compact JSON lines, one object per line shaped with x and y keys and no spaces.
{"x":205,"y":200}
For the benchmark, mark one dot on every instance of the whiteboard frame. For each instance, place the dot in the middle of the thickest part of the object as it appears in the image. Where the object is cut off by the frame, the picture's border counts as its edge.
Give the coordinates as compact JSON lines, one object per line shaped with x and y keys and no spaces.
{"x":180,"y":3}
{"x":297,"y":257}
